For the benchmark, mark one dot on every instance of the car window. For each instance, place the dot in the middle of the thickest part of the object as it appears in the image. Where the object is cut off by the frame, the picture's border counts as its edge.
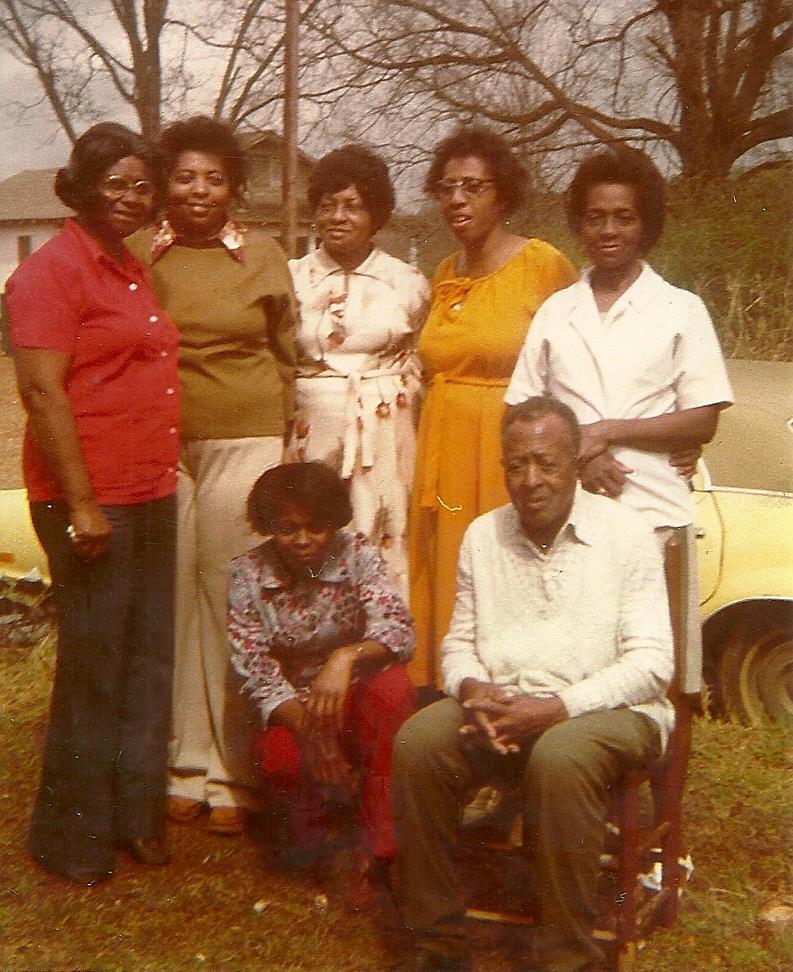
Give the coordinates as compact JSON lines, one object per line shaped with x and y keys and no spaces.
{"x":753,"y":448}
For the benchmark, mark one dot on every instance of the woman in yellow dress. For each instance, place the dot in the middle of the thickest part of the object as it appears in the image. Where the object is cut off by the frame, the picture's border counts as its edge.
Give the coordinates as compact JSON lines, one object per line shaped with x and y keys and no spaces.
{"x":484,"y":297}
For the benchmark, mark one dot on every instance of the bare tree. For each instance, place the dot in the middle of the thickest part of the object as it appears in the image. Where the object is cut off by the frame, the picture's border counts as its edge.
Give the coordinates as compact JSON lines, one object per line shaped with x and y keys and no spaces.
{"x":154,"y":58}
{"x":700,"y":77}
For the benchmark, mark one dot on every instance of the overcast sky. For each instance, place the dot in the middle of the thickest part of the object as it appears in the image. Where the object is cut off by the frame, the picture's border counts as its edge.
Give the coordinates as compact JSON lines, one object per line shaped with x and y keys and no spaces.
{"x":31,"y":139}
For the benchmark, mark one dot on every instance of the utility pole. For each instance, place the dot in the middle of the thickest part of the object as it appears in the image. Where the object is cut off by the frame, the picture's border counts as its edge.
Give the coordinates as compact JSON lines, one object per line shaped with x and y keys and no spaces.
{"x":289,"y":178}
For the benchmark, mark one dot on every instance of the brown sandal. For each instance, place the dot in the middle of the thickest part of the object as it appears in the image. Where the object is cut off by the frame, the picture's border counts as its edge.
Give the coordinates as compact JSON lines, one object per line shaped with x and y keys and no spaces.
{"x":182,"y":810}
{"x":227,"y":820}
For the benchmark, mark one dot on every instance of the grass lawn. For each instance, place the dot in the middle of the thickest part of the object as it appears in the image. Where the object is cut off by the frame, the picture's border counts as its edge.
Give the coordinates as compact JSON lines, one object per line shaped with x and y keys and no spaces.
{"x":199,"y":914}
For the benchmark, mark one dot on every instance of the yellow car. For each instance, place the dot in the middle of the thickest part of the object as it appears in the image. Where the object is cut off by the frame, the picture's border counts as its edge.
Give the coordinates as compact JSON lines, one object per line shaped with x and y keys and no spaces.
{"x":20,"y":552}
{"x":744,"y":522}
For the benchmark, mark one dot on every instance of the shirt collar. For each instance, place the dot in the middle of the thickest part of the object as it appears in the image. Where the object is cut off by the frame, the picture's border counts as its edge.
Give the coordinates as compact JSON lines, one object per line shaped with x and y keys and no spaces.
{"x":366,"y":269}
{"x":578,"y":524}
{"x":640,"y":291}
{"x":231,"y":236}
{"x":582,"y":517}
{"x":274,"y":576}
{"x":130,"y":267}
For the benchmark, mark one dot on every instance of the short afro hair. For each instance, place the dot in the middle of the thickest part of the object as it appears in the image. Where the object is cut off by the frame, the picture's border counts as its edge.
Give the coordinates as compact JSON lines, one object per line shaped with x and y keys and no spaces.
{"x":312,"y":486}
{"x":203,"y":134}
{"x":94,"y":152}
{"x":509,"y":175}
{"x":537,"y":407}
{"x":623,"y":166}
{"x":354,"y":165}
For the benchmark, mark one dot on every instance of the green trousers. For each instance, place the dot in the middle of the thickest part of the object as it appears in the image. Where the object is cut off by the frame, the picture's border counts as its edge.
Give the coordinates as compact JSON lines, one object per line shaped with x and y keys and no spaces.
{"x":565,"y":774}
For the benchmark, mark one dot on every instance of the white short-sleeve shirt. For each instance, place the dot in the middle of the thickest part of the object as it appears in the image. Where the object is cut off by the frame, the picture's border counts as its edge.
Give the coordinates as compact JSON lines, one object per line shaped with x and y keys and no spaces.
{"x":653,"y":353}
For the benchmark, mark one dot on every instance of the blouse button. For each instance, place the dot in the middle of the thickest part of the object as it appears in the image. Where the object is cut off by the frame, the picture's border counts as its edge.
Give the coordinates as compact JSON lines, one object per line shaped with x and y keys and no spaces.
{"x":153,"y":319}
{"x":163,"y":354}
{"x":169,"y":391}
{"x":457,"y":307}
{"x":172,"y":430}
{"x":133,"y":287}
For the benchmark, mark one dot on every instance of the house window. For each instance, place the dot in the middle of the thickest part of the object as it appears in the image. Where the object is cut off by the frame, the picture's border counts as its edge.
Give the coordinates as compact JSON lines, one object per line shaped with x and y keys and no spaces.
{"x":24,"y":247}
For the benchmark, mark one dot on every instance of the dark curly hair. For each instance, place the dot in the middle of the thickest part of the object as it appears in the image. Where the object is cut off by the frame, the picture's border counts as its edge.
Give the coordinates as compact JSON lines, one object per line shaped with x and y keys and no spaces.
{"x":203,"y":134}
{"x":354,"y":165}
{"x":509,"y":175}
{"x":94,"y":152}
{"x":620,"y":165}
{"x":313,"y":486}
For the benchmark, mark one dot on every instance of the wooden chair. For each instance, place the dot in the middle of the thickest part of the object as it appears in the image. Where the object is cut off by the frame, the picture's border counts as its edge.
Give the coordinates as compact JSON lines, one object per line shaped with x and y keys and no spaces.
{"x":638,"y":911}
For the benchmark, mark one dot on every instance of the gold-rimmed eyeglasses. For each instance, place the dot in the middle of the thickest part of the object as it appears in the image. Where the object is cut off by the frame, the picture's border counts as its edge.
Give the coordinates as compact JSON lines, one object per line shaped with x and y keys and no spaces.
{"x":444,"y":188}
{"x":116,"y":187}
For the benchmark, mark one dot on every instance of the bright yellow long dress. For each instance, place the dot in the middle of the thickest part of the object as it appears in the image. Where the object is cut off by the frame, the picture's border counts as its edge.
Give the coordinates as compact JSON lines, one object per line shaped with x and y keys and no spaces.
{"x":468,"y":348}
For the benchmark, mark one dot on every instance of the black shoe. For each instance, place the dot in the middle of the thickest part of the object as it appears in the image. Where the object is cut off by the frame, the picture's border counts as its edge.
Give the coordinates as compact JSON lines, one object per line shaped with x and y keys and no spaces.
{"x":423,"y":960}
{"x":85,"y":879}
{"x":151,"y":851}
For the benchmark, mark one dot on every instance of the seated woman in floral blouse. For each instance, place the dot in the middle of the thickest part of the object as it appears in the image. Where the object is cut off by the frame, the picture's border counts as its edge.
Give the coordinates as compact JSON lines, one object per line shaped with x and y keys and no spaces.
{"x":320,"y":637}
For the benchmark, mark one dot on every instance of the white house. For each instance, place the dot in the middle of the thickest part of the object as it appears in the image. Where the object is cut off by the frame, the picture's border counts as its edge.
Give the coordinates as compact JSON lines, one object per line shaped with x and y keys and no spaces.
{"x":30,"y":213}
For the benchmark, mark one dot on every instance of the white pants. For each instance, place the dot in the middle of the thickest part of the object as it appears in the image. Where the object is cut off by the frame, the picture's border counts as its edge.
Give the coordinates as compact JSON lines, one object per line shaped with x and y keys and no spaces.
{"x":691,"y":649}
{"x":212,"y":722}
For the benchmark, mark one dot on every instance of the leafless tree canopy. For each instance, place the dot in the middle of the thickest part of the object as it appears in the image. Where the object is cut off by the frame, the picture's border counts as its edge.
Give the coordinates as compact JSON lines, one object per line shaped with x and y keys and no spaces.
{"x":156,"y":57}
{"x":701,"y":79}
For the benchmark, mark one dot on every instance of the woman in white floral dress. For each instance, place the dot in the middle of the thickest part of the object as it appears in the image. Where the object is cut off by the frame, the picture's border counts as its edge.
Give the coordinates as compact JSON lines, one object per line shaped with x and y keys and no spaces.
{"x":358,"y":386}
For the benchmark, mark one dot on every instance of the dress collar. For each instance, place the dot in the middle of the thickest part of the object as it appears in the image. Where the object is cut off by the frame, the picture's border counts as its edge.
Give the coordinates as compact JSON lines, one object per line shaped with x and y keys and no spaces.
{"x":274,"y":576}
{"x":231,"y":236}
{"x":368,"y":268}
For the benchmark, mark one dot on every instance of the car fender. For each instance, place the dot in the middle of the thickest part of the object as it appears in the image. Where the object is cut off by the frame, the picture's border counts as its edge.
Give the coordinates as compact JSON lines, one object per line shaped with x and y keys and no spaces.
{"x":20,"y":550}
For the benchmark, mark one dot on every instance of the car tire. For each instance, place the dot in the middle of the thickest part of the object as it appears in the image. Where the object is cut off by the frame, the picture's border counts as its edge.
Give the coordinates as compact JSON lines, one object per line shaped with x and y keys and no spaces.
{"x":754,"y":675}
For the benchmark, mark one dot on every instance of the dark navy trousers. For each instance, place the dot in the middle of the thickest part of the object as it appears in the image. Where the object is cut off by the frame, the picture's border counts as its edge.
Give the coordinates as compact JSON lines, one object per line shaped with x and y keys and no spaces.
{"x":104,"y":768}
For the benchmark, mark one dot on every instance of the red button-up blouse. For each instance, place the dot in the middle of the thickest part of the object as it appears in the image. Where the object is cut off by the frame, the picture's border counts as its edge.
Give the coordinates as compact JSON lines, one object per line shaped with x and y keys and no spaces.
{"x":123,"y":384}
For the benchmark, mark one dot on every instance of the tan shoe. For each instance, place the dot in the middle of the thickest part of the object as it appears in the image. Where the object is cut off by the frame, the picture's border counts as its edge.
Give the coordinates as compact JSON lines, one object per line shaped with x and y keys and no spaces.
{"x":182,"y":810}
{"x":227,"y":820}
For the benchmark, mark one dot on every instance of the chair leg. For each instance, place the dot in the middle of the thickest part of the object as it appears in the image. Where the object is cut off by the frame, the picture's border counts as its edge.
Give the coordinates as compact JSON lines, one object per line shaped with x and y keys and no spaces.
{"x":626,"y":960}
{"x":628,"y":864}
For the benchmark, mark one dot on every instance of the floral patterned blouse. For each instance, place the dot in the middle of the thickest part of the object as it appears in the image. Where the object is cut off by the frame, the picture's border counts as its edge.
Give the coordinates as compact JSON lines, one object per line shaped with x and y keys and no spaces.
{"x":283,"y":629}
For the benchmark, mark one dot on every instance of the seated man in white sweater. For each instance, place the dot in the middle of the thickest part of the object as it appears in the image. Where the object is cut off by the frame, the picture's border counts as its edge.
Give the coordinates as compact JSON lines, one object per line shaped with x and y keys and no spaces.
{"x":557,"y":661}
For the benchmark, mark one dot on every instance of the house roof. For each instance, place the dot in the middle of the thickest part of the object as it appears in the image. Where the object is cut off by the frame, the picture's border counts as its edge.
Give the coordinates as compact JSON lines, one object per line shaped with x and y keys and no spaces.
{"x":29,"y":196}
{"x":267,"y":137}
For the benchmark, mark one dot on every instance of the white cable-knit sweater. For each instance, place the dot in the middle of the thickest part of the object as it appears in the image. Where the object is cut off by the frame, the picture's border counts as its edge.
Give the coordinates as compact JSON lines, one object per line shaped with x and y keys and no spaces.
{"x":587,"y":621}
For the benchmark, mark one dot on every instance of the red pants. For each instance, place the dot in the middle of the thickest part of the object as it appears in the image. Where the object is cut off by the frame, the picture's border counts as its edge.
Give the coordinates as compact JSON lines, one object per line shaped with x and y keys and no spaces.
{"x":374,"y":710}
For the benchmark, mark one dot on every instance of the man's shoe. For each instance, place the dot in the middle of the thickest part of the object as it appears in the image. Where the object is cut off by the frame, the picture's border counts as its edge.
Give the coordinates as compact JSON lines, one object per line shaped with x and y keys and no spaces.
{"x":151,"y":851}
{"x":229,"y":821}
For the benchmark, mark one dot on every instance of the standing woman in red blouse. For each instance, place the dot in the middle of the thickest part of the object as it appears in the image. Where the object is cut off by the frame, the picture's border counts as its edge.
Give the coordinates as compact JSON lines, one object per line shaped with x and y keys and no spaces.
{"x":96,"y":362}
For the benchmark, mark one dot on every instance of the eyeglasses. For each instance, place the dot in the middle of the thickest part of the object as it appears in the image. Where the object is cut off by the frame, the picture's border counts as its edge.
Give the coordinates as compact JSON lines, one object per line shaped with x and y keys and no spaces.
{"x":330,"y":208}
{"x":444,"y":188}
{"x":116,"y":187}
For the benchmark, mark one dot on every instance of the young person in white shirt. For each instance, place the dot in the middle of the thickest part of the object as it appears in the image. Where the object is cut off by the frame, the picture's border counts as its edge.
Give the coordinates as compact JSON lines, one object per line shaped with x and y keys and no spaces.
{"x":636,"y":359}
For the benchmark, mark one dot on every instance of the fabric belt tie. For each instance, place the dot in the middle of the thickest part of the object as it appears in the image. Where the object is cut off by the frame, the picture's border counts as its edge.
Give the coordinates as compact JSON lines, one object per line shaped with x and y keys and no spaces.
{"x":357,"y":421}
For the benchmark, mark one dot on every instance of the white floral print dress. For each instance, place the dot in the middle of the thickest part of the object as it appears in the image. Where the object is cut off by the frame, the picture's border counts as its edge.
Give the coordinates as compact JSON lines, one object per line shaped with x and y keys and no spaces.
{"x":358,"y":387}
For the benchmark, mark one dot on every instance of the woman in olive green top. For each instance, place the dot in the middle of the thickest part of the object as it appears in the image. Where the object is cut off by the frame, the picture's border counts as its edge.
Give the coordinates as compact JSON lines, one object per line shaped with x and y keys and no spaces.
{"x":228,"y":290}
